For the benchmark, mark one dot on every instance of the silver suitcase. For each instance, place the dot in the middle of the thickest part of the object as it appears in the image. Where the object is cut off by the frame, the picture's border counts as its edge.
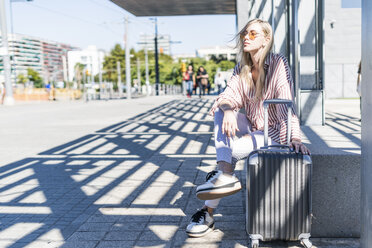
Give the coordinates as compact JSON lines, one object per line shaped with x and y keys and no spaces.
{"x":278,"y":201}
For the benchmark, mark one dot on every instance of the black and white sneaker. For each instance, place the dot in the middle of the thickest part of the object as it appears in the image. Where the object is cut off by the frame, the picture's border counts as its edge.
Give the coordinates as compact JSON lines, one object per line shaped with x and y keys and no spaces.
{"x":217,"y":185}
{"x":201,"y":223}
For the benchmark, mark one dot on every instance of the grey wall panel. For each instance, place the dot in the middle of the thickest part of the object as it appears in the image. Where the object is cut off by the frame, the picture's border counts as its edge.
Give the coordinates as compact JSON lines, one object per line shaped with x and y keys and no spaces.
{"x":366,"y":171}
{"x":311,"y":107}
{"x":342,"y":31}
{"x":350,"y":74}
{"x":306,"y":25}
{"x":340,"y":80}
{"x":333,"y":80}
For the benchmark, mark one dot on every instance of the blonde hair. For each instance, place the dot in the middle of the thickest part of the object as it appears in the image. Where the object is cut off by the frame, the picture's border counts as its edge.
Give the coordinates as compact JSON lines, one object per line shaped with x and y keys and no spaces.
{"x":245,"y":59}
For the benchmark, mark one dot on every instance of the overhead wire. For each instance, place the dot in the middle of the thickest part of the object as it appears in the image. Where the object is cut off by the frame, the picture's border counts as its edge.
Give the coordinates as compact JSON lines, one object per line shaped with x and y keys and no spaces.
{"x":106,"y":24}
{"x":130,"y":19}
{"x":61,"y":13}
{"x":101,"y":25}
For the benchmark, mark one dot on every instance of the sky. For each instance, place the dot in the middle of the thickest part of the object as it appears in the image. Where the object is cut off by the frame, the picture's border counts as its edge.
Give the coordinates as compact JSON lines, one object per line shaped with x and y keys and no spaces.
{"x":100,"y":22}
{"x":351,"y":3}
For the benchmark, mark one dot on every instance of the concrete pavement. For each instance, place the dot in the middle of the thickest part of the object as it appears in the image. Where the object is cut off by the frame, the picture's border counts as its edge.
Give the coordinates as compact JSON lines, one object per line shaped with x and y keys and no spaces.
{"x":113,"y":174}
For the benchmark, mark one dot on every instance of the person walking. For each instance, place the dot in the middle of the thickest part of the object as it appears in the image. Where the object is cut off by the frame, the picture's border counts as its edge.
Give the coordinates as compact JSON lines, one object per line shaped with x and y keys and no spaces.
{"x":189,"y":78}
{"x":220,"y":83}
{"x":260,"y":75}
{"x":202,"y":79}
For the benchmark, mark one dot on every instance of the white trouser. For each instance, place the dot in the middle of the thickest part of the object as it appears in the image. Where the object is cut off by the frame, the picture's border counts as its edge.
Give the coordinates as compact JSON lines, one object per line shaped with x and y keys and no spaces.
{"x":232,"y":150}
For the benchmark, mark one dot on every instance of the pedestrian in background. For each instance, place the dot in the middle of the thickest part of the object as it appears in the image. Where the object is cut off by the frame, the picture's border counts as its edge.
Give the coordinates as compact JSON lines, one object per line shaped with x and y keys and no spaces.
{"x":202,"y":79}
{"x":359,"y":86}
{"x":189,"y":78}
{"x":220,"y":83}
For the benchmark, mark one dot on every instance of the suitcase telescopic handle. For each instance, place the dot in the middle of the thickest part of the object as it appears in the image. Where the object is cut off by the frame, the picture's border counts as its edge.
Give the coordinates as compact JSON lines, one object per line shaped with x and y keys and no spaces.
{"x":266,"y":104}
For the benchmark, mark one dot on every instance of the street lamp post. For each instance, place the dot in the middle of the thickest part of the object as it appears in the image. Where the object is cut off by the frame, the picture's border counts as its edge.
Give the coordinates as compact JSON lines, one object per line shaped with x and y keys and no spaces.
{"x":366,"y":156}
{"x":146,"y":65}
{"x":127,"y":61}
{"x":156,"y":57}
{"x":147,"y":72}
{"x":8,"y":100}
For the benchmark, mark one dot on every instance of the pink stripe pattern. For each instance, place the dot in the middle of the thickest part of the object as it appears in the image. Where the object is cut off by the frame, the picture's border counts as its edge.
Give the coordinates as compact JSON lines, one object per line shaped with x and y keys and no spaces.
{"x":278,"y":84}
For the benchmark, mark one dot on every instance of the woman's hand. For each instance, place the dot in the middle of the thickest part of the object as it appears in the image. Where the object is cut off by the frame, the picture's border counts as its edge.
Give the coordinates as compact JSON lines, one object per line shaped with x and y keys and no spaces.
{"x":298,"y":146}
{"x":229,"y":123}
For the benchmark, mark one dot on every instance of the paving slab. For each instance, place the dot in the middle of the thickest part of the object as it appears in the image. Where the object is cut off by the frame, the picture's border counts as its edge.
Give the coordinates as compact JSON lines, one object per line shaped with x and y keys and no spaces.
{"x":122,"y":173}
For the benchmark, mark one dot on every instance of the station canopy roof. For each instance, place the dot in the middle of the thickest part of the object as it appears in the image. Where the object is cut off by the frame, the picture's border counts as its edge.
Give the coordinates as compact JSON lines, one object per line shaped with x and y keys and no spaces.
{"x":177,"y":7}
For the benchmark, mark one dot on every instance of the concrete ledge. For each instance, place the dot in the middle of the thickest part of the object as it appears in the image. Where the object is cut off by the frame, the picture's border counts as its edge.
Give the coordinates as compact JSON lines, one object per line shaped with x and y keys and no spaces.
{"x":336,"y":196}
{"x":336,"y":159}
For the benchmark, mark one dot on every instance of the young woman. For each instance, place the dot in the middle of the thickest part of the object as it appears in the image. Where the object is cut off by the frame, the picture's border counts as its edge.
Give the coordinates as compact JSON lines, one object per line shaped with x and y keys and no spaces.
{"x":189,"y":78}
{"x":202,"y":79}
{"x":259,"y":75}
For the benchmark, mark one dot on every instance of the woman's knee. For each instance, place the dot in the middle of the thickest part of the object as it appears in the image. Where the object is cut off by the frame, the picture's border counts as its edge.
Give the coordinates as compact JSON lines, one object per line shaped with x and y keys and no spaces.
{"x":242,"y":148}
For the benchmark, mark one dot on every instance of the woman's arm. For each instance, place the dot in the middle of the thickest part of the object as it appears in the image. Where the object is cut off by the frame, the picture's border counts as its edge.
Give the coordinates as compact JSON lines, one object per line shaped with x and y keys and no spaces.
{"x":231,"y":99}
{"x":229,"y":123}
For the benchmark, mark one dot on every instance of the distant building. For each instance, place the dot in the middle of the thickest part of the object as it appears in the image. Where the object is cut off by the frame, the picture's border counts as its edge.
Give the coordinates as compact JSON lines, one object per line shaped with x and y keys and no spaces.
{"x":43,"y":56}
{"x":91,"y":57}
{"x":53,"y":55}
{"x":225,"y":52}
{"x":164,"y":43}
{"x":183,"y":56}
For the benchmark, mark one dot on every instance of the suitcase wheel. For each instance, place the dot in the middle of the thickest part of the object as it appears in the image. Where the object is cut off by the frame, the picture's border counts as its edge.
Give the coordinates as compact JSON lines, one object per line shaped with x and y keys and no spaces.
{"x":254,"y":243}
{"x":306,"y":243}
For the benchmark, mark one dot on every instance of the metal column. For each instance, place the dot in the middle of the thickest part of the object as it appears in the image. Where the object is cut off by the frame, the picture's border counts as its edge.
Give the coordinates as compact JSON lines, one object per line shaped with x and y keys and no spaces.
{"x":366,"y":165}
{"x":8,"y":100}
{"x":294,"y":51}
{"x":127,"y":61}
{"x":156,"y":59}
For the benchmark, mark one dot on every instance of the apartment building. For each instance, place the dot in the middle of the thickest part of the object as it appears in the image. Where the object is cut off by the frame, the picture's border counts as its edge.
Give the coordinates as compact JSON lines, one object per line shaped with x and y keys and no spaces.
{"x":49,"y":58}
{"x":226,"y":52}
{"x":91,"y":57}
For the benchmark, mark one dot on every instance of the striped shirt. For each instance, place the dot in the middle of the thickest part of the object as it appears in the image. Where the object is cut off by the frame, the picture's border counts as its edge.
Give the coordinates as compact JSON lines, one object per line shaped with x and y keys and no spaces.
{"x":278,"y":84}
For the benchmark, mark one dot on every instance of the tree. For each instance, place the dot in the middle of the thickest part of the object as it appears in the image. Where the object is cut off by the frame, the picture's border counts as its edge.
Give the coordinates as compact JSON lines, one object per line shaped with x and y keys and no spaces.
{"x":169,"y":70}
{"x":110,"y":64}
{"x":34,"y":77}
{"x":226,"y":65}
{"x":79,"y":73}
{"x":22,"y":79}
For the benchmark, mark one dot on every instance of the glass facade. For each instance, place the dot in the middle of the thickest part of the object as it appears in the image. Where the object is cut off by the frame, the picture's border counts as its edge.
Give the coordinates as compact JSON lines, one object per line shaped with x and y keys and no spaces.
{"x":43,"y":56}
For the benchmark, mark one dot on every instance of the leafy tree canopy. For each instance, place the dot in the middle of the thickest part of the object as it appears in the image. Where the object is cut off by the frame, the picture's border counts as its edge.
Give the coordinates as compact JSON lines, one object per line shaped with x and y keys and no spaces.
{"x":169,"y":70}
{"x":35,"y":77}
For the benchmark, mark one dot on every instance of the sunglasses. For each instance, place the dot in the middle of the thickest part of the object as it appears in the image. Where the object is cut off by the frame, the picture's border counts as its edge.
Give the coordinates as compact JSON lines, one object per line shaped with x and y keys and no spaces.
{"x":252,"y":35}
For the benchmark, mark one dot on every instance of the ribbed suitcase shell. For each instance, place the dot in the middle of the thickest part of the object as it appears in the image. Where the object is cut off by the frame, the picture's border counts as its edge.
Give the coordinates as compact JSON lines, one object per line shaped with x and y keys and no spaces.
{"x":279,"y":195}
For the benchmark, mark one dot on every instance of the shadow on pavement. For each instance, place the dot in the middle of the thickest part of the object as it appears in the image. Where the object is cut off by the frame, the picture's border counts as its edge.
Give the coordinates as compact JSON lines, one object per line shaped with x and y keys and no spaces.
{"x":127,"y":185}
{"x":130,"y":184}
